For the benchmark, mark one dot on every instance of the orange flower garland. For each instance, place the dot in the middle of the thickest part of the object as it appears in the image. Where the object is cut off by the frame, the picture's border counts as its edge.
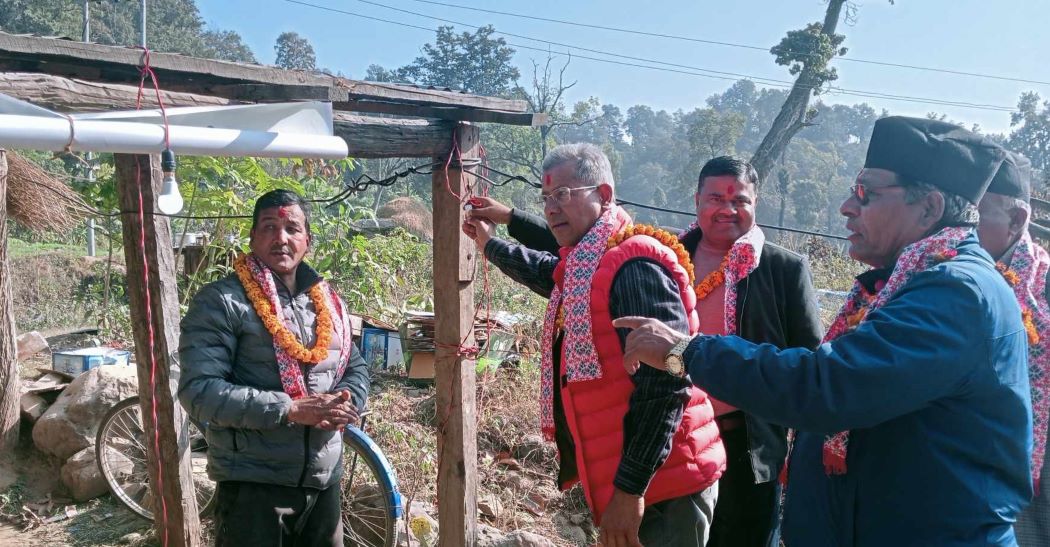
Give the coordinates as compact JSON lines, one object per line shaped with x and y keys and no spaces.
{"x":663,"y":236}
{"x":713,"y":280}
{"x":1013,"y":279}
{"x":284,"y":337}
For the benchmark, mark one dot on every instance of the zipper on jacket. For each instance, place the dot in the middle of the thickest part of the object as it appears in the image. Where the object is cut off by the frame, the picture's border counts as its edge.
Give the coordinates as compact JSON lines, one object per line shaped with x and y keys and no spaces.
{"x":739,"y":325}
{"x":306,"y":454}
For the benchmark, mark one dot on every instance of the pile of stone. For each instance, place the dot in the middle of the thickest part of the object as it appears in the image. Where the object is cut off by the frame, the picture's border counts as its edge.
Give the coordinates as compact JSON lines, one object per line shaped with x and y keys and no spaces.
{"x":66,"y":414}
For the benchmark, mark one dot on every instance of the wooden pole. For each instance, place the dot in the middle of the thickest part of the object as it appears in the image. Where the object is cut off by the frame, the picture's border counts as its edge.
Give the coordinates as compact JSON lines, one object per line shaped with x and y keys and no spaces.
{"x":454,"y":375}
{"x":176,"y":522}
{"x":10,"y":391}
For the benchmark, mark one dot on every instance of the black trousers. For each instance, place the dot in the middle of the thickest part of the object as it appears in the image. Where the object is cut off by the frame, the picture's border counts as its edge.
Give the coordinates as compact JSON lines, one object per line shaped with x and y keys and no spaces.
{"x":746,"y":512}
{"x":265,"y":515}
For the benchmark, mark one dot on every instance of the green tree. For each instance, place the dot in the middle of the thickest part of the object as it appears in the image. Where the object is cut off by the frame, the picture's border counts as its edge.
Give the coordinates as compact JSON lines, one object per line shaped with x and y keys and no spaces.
{"x":806,"y":53}
{"x":294,"y":52}
{"x":226,"y":45}
{"x":471,"y":62}
{"x":1031,"y":130}
{"x":172,"y":26}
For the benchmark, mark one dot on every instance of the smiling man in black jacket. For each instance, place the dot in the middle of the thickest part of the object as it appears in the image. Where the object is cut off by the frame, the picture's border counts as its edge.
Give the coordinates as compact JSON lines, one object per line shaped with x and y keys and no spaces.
{"x":748,"y":287}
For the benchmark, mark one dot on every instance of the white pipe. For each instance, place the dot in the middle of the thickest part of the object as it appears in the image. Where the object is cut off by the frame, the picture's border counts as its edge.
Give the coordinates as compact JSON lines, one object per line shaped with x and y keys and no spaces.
{"x":39,"y":133}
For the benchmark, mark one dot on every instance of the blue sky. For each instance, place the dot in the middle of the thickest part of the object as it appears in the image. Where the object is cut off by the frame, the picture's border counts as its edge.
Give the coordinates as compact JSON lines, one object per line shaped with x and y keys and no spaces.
{"x":1008,"y":38}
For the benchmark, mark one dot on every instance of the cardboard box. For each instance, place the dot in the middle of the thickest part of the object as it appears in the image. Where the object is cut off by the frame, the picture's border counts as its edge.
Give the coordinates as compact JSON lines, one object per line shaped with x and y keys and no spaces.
{"x":421,"y":365}
{"x":78,"y":361}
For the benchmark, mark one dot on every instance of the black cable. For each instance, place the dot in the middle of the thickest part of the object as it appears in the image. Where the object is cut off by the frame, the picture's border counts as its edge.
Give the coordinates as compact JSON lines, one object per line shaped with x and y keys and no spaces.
{"x":693,"y":214}
{"x":765,"y":81}
{"x":728,"y":44}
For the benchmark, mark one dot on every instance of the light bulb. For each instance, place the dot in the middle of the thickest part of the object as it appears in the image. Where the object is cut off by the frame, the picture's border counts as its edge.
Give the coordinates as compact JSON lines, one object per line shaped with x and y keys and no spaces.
{"x":170,"y":200}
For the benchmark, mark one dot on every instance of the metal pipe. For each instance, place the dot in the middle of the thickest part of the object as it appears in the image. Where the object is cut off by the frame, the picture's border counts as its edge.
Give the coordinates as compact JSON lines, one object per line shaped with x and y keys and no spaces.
{"x":38,"y":133}
{"x":89,"y":156}
{"x":87,"y":21}
{"x":143,"y":24}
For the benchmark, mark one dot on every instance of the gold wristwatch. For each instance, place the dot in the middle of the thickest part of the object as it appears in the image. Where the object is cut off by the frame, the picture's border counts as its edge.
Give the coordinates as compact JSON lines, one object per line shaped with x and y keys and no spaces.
{"x":673,"y":361}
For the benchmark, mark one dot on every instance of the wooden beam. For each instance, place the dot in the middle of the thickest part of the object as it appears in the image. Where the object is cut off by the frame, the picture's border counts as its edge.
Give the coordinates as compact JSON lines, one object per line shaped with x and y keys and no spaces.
{"x":375,"y":137}
{"x":446,"y":113}
{"x":10,"y":391}
{"x":1039,"y":231}
{"x":223,"y":78}
{"x":155,"y":316}
{"x":455,"y":375}
{"x":365,"y":136}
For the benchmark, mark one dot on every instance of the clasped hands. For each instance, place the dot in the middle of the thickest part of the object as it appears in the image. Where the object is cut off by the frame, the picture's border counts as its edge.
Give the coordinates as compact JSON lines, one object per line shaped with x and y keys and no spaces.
{"x":328,"y":411}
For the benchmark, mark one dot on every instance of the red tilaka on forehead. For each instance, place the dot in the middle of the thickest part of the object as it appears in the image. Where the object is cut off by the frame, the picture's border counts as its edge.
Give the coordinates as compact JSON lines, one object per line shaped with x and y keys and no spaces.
{"x":282,"y":212}
{"x":546,"y":179}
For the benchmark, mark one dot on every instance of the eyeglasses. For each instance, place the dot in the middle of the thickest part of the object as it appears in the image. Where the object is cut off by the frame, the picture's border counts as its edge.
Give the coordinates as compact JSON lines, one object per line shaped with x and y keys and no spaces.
{"x":860,"y":191}
{"x":561,"y":196}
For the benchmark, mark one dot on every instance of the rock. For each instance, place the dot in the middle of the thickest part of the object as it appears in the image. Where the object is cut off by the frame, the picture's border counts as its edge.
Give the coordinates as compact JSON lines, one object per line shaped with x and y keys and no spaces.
{"x":519,"y":538}
{"x":490,"y":506}
{"x":575,"y":534}
{"x":133,"y":538}
{"x":488,"y":533}
{"x":29,"y":344}
{"x":569,"y":529}
{"x":71,"y":423}
{"x":33,"y":406}
{"x":81,"y":475}
{"x":579,"y":518}
{"x":533,"y":449}
{"x":419,"y":520}
{"x":519,"y":481}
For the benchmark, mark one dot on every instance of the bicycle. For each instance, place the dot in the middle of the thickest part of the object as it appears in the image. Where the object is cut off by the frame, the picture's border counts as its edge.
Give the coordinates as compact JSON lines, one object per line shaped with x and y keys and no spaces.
{"x":371,"y":504}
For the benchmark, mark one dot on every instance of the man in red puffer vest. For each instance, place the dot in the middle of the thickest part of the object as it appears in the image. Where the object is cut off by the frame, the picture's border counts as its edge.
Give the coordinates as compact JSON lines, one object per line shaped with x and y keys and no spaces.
{"x":645,"y":447}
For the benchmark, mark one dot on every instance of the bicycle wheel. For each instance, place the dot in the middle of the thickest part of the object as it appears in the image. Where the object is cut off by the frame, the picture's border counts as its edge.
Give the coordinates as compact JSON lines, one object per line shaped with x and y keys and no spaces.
{"x":120,"y":451}
{"x":371,"y":502}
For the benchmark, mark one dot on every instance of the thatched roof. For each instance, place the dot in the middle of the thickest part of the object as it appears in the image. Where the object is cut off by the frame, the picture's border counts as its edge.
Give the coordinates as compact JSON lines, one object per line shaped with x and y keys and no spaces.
{"x":39,"y":201}
{"x":411,"y":214}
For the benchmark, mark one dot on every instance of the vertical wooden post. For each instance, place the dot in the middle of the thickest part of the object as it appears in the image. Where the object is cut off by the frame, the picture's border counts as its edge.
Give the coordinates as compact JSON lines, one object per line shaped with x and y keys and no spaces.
{"x":181,"y":525}
{"x":10,"y":391}
{"x":454,"y":376}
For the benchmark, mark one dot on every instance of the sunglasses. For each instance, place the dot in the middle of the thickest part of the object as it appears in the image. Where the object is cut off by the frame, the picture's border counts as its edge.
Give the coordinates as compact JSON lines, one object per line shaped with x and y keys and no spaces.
{"x":862,"y":192}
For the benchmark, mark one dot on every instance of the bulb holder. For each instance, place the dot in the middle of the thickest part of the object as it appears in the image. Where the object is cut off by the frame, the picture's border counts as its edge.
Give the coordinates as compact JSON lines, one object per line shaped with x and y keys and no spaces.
{"x":167,"y":161}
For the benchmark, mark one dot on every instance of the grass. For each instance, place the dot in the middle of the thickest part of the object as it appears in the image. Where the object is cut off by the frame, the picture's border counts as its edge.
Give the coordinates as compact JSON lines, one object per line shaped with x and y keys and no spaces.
{"x":17,"y":248}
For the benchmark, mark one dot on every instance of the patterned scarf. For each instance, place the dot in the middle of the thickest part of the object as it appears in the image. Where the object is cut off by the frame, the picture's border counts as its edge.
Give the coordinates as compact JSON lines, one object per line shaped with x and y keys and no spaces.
{"x":291,"y":373}
{"x":744,"y":256}
{"x":917,"y":257}
{"x":1031,"y":262}
{"x":573,"y":294}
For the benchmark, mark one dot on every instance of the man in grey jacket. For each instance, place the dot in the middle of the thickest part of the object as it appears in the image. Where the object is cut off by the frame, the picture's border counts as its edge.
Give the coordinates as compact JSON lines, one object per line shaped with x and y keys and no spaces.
{"x":270,"y":370}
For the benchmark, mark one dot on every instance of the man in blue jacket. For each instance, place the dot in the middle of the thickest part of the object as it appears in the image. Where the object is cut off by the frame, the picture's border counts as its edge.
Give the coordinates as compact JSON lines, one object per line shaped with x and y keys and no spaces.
{"x":914,"y":415}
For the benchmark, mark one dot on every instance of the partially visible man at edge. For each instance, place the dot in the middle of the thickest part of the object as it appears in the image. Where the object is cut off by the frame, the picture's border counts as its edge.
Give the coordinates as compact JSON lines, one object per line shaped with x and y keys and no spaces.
{"x":273,"y":390}
{"x":746,"y":286}
{"x":919,"y":398}
{"x":646,"y":450}
{"x":1003,"y":232}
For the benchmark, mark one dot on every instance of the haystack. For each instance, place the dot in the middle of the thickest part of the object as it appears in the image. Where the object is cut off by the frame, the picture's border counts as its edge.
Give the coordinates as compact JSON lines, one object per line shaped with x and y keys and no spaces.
{"x":410,"y":214}
{"x":39,"y":201}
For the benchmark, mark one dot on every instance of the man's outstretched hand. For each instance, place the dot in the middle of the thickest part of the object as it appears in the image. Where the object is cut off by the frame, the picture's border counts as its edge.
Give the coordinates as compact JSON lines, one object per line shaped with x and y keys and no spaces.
{"x":480,"y":230}
{"x":648,"y":343}
{"x":485,"y":208}
{"x":329,"y":411}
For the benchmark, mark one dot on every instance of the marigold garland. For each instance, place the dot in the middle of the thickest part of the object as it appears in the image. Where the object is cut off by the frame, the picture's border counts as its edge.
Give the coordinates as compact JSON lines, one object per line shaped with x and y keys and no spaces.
{"x":713,"y":280}
{"x":1012,"y":278}
{"x":668,"y":239}
{"x":280,"y":333}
